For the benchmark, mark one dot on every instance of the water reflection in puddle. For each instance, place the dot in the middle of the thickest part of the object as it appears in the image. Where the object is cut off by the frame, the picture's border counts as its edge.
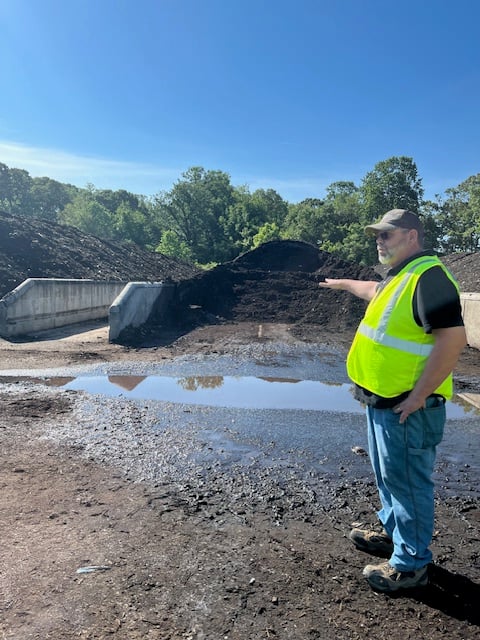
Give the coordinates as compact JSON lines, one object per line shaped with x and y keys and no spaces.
{"x":246,"y":392}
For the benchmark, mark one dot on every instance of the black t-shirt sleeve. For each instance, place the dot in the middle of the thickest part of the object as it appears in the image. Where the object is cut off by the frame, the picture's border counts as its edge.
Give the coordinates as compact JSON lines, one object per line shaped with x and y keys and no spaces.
{"x":436,"y":303}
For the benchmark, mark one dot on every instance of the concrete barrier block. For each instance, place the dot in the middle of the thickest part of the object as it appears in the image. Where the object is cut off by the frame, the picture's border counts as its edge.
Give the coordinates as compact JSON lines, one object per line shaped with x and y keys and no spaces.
{"x":471,"y":317}
{"x":134,"y":304}
{"x":46,"y":303}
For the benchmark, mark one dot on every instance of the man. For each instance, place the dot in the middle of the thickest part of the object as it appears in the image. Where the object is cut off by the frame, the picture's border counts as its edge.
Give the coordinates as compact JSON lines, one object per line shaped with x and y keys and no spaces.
{"x":401,"y":362}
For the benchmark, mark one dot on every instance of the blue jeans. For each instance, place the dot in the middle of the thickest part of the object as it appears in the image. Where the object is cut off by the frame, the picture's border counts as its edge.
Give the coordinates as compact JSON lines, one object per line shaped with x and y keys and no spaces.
{"x":403,"y":457}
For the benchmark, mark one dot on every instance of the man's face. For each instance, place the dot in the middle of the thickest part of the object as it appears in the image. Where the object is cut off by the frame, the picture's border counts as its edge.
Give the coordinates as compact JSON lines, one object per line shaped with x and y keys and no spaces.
{"x":394,"y":246}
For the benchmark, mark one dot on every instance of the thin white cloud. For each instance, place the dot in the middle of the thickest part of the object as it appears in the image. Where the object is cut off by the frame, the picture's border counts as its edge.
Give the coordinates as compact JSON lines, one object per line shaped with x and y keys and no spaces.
{"x":141,"y":178}
{"x":148,"y":179}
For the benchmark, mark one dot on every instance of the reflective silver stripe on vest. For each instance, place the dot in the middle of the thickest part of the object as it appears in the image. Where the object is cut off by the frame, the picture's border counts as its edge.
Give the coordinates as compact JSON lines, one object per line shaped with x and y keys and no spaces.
{"x":382,"y":325}
{"x":397,"y":343}
{"x":378,"y":335}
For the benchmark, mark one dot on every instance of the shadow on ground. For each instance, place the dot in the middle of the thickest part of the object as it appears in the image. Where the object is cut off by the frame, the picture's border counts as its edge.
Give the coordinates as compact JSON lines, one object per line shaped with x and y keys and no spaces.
{"x":453,"y":594}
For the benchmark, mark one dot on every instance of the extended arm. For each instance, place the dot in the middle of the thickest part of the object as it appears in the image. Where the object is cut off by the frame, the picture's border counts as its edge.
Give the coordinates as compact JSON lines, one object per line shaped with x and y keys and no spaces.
{"x":364,"y":289}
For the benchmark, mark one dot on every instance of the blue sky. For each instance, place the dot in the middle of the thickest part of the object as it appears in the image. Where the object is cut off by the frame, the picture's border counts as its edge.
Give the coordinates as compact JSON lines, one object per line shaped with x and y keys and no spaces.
{"x":290,"y":95}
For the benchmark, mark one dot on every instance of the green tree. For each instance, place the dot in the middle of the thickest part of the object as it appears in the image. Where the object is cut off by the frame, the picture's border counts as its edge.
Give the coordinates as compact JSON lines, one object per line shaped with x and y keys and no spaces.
{"x":342,"y":222}
{"x":304,"y":221}
{"x":171,"y":245}
{"x":249,"y":213}
{"x":15,"y":191}
{"x":49,"y":197}
{"x":195,"y":209}
{"x":112,"y":200}
{"x":459,"y":217}
{"x":131,"y":216}
{"x":432,"y":224}
{"x":4,"y":186}
{"x":113,"y":215}
{"x":392,"y":184}
{"x":268,"y":231}
{"x":334,"y":224}
{"x":88,"y":215}
{"x":131,"y":225}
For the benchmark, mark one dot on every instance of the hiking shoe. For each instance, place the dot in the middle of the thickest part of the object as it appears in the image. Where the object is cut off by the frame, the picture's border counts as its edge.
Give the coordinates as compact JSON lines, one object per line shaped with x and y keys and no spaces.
{"x":385,"y":578}
{"x":372,"y":542}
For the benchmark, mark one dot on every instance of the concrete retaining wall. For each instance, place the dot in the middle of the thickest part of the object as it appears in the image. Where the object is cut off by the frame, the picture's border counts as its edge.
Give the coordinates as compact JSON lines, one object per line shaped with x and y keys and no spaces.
{"x":471,"y":317}
{"x":46,"y":303}
{"x":135,"y":303}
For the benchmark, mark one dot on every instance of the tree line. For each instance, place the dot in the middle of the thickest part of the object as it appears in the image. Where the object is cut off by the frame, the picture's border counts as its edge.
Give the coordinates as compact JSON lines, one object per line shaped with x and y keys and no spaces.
{"x":204,"y":219}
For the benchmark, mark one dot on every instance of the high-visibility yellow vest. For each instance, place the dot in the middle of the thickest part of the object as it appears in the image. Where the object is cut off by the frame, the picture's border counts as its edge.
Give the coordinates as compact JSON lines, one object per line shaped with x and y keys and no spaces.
{"x":389,"y":351}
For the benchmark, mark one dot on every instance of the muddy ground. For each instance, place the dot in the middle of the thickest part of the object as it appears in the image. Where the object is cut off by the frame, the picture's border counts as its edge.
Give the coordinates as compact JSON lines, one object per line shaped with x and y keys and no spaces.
{"x":225,"y":552}
{"x":196,"y":544}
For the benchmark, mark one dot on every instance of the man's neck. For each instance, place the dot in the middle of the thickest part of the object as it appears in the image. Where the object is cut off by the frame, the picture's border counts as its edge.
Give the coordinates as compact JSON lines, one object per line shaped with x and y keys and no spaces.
{"x":398,"y":266}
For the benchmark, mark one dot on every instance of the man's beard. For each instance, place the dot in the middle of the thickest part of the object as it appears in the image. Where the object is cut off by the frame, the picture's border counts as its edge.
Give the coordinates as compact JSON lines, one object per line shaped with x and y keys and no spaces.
{"x":385,"y":259}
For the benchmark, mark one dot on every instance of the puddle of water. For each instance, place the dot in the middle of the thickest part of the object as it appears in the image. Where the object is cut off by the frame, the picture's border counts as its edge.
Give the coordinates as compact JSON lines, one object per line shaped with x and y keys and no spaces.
{"x":247,"y":392}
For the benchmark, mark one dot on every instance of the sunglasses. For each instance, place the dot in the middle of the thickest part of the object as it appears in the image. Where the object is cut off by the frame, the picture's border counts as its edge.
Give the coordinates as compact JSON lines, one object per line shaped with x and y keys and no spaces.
{"x":385,"y":235}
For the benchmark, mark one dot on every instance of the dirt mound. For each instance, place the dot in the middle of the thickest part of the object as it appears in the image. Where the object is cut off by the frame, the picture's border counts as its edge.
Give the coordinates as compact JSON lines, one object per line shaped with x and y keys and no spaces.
{"x":465,"y":267}
{"x":34,"y":248}
{"x":278,"y":282}
{"x":281,"y":255}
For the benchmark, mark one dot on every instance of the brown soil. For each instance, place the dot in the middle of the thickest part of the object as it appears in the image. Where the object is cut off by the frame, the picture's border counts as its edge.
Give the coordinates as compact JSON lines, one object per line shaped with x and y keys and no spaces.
{"x":278,"y":282}
{"x":190,"y":562}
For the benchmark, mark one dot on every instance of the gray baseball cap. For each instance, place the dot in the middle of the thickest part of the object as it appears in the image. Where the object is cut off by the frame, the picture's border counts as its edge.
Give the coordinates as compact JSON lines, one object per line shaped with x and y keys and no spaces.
{"x":396,"y":219}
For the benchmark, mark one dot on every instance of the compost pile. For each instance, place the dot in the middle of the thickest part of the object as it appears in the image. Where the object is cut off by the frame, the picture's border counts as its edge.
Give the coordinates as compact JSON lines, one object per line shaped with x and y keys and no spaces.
{"x":36,"y":248}
{"x":278,"y":282}
{"x":465,"y":267}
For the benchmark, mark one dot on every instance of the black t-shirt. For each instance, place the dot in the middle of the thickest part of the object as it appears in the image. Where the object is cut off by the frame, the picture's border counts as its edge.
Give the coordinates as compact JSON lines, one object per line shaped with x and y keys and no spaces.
{"x":436,"y":305}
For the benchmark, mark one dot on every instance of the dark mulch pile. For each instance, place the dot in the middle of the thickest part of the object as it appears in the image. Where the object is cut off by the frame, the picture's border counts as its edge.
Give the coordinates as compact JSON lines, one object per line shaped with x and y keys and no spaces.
{"x":278,"y":282}
{"x":465,"y":267}
{"x":34,"y":248}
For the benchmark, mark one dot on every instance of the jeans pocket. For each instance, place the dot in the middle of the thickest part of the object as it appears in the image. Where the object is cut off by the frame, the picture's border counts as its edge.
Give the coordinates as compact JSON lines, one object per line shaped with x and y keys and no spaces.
{"x":433,"y":425}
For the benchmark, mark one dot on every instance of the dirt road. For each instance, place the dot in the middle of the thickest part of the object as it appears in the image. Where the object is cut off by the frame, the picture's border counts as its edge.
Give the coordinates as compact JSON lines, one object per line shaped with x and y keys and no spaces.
{"x":220,"y":554}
